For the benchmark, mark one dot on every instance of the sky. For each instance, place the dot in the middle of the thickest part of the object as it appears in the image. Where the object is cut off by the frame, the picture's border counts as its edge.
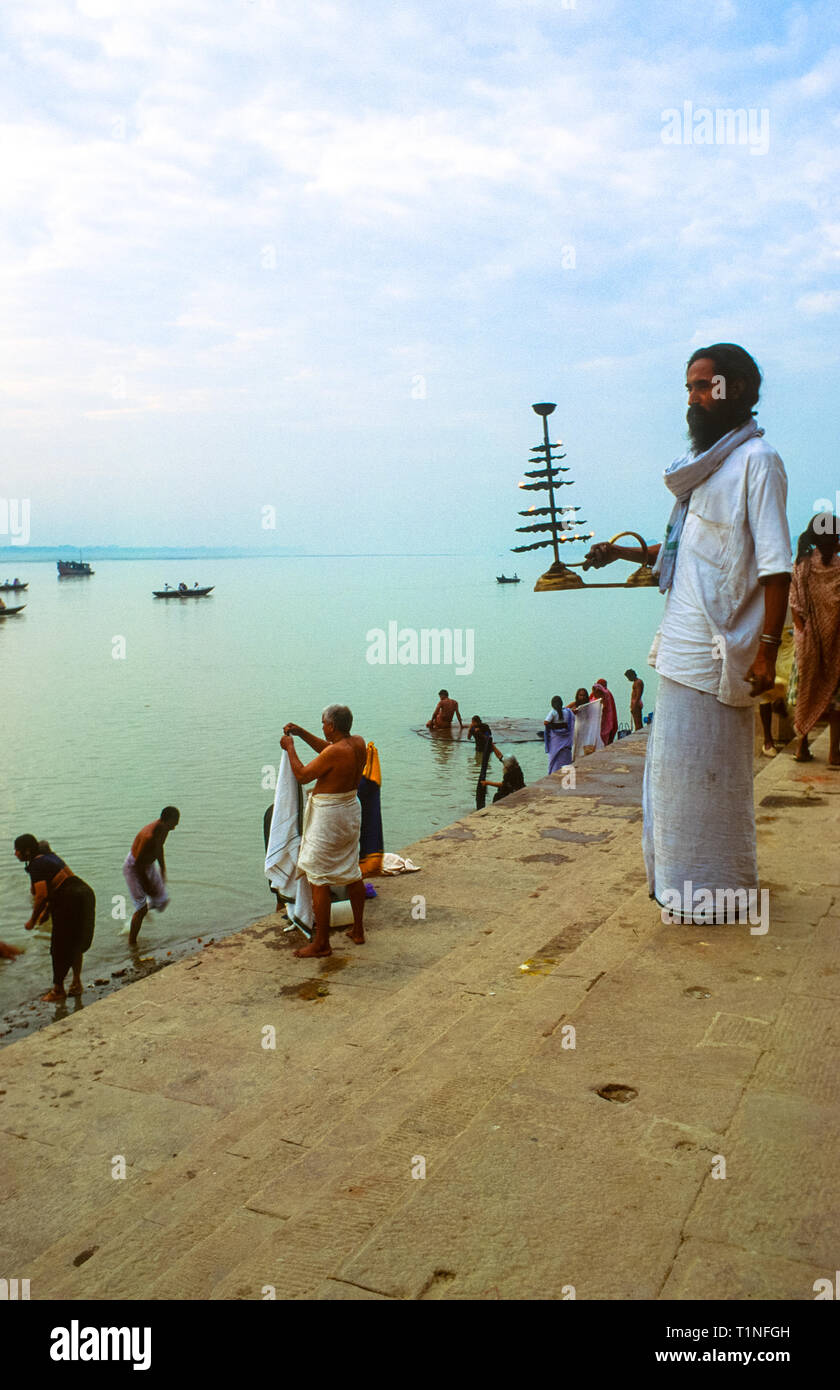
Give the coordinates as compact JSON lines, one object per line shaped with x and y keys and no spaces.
{"x":322,"y":259}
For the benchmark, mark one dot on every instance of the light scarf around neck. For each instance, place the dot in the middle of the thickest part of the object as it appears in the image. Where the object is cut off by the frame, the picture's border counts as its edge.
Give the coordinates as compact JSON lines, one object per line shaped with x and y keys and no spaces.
{"x":681,"y":477}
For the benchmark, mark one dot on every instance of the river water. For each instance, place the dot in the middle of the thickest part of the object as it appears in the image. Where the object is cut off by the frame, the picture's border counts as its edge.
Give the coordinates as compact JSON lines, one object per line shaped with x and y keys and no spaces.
{"x":116,"y":704}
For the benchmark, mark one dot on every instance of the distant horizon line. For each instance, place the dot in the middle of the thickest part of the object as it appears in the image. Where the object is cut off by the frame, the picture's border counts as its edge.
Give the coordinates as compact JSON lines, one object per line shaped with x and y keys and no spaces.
{"x":45,"y":554}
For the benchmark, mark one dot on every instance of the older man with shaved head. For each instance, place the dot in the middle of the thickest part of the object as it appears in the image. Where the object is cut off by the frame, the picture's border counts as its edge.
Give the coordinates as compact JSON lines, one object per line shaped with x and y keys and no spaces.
{"x":329,"y":849}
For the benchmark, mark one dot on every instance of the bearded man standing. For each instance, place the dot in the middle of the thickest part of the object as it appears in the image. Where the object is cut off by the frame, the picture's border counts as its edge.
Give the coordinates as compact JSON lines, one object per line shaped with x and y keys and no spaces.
{"x":725,"y":565}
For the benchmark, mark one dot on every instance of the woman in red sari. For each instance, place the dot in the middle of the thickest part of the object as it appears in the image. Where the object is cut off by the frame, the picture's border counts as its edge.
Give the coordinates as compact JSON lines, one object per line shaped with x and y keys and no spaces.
{"x":815,"y":603}
{"x":609,"y":713}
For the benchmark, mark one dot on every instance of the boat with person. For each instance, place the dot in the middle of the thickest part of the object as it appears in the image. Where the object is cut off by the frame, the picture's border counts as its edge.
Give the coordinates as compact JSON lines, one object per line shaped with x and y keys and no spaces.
{"x":15,"y":587}
{"x":73,"y":569}
{"x":183,"y":592}
{"x":508,"y":579}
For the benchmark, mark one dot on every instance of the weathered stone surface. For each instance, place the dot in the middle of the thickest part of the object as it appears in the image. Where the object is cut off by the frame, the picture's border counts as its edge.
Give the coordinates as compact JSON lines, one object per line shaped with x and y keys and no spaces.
{"x":525,"y":1095}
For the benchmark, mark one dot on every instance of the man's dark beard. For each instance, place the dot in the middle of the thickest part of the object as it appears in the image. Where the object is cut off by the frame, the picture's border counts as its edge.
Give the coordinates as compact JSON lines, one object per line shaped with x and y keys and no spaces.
{"x":706,"y":427}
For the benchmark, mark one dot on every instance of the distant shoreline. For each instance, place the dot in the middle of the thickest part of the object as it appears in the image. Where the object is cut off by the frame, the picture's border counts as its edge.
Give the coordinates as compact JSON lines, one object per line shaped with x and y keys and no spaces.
{"x":22,"y":555}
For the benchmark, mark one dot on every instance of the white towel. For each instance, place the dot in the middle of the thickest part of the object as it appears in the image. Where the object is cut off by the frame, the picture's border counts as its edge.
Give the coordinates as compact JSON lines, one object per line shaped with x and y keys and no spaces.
{"x":284,"y":846}
{"x":587,"y":728}
{"x":395,"y":864}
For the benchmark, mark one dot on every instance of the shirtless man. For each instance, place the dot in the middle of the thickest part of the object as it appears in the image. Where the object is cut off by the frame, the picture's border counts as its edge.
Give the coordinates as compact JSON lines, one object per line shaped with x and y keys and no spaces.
{"x":445,"y":711}
{"x":145,"y":869}
{"x":329,"y":848}
{"x":636,"y":698}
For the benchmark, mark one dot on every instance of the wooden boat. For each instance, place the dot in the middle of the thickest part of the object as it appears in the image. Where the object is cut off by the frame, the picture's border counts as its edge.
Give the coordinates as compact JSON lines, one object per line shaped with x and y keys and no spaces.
{"x":506,"y":579}
{"x":73,"y":569}
{"x":10,"y":612}
{"x":184,"y":593}
{"x":13,"y":588}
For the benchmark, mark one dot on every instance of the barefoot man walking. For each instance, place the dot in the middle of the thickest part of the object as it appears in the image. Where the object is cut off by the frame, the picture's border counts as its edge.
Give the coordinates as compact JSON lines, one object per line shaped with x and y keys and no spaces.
{"x":329,"y":847}
{"x":145,"y":870}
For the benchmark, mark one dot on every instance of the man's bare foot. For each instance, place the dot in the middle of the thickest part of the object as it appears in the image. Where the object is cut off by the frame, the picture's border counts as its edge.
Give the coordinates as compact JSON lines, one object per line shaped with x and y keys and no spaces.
{"x":53,"y":997}
{"x":312,"y":950}
{"x":358,"y":937}
{"x":76,"y":987}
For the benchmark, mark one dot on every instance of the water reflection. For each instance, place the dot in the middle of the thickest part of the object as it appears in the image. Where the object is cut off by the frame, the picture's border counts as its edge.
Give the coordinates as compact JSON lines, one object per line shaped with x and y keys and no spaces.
{"x":444,"y":743}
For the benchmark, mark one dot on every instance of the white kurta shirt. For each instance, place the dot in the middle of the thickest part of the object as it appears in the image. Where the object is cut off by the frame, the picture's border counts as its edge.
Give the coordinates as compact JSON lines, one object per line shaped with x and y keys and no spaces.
{"x":735,"y":533}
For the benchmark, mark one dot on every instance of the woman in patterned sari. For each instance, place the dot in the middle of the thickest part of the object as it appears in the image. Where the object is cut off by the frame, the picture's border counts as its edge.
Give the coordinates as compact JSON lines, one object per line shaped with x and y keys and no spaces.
{"x":815,"y":603}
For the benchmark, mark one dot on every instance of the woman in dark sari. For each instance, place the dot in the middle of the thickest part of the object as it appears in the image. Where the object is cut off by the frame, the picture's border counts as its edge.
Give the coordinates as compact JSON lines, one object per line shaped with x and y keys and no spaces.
{"x":484,"y":745}
{"x":72,"y":905}
{"x":512,"y":779}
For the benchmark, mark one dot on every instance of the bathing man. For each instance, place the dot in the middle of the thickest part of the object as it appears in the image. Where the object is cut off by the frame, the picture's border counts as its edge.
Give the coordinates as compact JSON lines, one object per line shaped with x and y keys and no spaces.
{"x":329,"y":847}
{"x":446,"y":710}
{"x":145,"y":869}
{"x":636,"y":701}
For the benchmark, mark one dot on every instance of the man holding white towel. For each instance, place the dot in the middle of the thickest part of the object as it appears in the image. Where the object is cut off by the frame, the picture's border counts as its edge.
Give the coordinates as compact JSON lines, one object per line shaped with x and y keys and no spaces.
{"x":725,"y":566}
{"x":329,"y":849}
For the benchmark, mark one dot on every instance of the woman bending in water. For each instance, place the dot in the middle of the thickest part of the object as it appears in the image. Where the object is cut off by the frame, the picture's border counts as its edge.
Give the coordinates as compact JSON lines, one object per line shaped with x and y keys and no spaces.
{"x":72,"y":905}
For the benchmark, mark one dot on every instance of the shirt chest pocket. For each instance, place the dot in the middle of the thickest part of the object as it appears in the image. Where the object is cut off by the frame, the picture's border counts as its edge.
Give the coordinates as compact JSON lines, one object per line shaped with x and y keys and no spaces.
{"x":707,"y":538}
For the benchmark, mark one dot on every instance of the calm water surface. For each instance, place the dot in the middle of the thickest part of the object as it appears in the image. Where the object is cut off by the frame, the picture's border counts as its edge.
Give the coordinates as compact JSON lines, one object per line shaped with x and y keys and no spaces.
{"x":96,"y":742}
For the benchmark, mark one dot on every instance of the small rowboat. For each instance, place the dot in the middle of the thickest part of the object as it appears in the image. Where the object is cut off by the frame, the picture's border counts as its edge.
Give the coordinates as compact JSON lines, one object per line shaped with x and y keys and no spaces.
{"x":10,"y":612}
{"x":14,"y":588}
{"x":183,"y":593}
{"x":508,"y":579}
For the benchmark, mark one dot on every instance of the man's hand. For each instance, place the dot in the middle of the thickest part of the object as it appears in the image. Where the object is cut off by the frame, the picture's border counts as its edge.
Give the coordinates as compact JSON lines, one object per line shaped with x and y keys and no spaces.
{"x":287,"y":742}
{"x":292,"y":729}
{"x":27,"y":926}
{"x":762,"y":674}
{"x":604,"y":553}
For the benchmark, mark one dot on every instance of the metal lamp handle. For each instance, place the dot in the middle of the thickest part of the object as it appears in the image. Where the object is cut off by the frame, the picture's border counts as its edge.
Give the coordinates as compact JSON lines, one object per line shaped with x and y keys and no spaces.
{"x":636,"y":536}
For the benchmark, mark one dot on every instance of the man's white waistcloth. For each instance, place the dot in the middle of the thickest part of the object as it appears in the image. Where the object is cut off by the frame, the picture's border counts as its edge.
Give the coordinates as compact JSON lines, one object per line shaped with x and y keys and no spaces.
{"x":159,"y":896}
{"x":329,"y":850}
{"x":697,"y":800}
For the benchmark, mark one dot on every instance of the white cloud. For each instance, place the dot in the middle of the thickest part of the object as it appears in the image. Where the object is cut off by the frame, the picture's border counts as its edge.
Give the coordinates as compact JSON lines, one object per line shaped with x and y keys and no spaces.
{"x":819,"y":302}
{"x":272,"y":212}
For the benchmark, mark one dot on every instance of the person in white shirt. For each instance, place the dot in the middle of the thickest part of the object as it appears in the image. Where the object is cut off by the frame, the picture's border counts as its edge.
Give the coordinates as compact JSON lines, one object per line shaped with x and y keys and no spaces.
{"x":725,"y":565}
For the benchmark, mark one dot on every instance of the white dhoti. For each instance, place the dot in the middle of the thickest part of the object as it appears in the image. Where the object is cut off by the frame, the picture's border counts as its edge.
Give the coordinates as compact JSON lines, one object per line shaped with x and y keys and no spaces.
{"x":329,"y":848}
{"x":159,"y":896}
{"x":699,"y":822}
